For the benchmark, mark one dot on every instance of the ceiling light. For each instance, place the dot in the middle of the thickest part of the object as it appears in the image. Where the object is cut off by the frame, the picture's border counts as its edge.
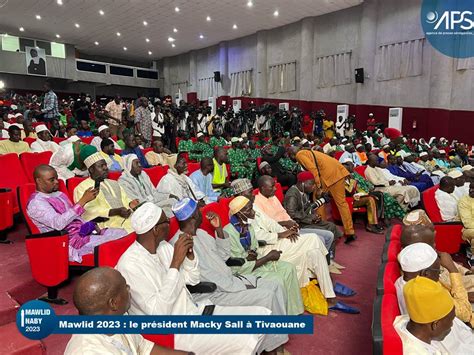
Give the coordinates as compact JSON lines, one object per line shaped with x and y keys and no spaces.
{"x":176,"y":9}
{"x":147,"y":40}
{"x":118,"y":34}
{"x":145,"y":23}
{"x":150,"y":53}
{"x":208,"y":18}
{"x":101,"y":12}
{"x":250,"y":4}
{"x":124,"y":48}
{"x":38,"y":17}
{"x":201,"y":36}
{"x":22,"y":29}
{"x":175,"y":30}
{"x":234,"y":27}
{"x":276,"y":13}
{"x":77,"y":25}
{"x":58,"y":36}
{"x":171,"y":39}
{"x":2,"y":84}
{"x":173,"y":45}
{"x":96,"y":43}
{"x":59,"y":2}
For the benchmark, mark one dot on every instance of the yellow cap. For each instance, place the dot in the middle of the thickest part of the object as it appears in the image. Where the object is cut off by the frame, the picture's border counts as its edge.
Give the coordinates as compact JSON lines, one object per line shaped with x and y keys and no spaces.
{"x":237,"y":204}
{"x":426,"y":300}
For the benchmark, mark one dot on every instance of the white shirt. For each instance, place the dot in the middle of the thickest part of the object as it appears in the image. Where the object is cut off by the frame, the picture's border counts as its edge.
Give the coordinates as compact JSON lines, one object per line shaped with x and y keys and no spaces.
{"x":459,"y":341}
{"x":39,"y":146}
{"x":461,"y":191}
{"x":117,"y":344}
{"x":156,"y":288}
{"x":448,"y":206}
{"x":399,"y":284}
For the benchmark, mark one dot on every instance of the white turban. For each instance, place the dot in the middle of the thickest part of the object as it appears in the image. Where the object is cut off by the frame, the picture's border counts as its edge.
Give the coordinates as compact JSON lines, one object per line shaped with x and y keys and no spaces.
{"x":101,"y":128}
{"x":145,"y":217}
{"x":466,"y":167}
{"x":128,"y":160}
{"x":41,"y":128}
{"x":417,"y":257}
{"x":454,"y":174}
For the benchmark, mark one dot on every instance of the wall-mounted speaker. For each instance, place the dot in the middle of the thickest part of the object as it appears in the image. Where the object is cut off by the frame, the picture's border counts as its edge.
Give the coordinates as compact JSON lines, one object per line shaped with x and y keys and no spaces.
{"x":217,"y":76}
{"x":359,"y":75}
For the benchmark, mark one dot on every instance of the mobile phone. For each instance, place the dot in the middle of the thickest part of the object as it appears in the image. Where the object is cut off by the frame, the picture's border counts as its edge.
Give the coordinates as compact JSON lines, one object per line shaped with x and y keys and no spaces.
{"x":208,"y":310}
{"x":97,"y":185}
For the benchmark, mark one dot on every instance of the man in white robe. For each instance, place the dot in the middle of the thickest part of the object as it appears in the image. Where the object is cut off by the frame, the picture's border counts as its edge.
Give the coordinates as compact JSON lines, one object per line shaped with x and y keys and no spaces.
{"x":176,"y":185}
{"x":406,"y":195}
{"x":43,"y":142}
{"x":446,"y":200}
{"x":158,"y":273}
{"x":430,"y":326}
{"x":104,"y":133}
{"x":104,"y":292}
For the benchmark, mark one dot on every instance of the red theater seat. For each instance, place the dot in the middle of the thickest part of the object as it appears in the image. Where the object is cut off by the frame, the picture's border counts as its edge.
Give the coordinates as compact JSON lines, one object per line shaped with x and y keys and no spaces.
{"x":361,"y":170}
{"x":336,"y":216}
{"x":192,"y":167}
{"x":448,"y":234}
{"x":174,"y":227}
{"x":58,"y":139}
{"x":392,"y":273}
{"x":206,"y":225}
{"x":395,"y":233}
{"x":114,"y":175}
{"x":87,"y":140}
{"x":12,"y":175}
{"x":156,"y":173}
{"x":110,"y":252}
{"x":29,"y":140}
{"x":72,"y":184}
{"x":30,"y":161}
{"x":393,"y":250}
{"x":392,"y":344}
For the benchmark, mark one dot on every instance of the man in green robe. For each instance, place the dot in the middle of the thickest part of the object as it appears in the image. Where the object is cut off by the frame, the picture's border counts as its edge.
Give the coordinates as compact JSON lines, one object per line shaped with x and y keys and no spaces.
{"x":243,"y":244}
{"x":201,"y":149}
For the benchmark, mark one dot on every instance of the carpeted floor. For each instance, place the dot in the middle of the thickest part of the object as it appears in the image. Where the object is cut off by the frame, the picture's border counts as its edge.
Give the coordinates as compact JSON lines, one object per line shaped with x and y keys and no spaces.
{"x":334,"y":334}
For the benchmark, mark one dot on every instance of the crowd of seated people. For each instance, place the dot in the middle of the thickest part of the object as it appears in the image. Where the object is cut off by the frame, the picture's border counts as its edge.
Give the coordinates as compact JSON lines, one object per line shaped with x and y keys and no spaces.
{"x":270,"y":249}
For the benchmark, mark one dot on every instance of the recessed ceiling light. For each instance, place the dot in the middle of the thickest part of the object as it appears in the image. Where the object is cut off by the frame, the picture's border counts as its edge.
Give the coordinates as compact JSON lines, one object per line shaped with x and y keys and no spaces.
{"x":208,"y":18}
{"x":175,"y":30}
{"x":101,"y":12}
{"x":22,"y":29}
{"x":38,"y":17}
{"x":145,"y":23}
{"x":118,"y":34}
{"x":77,"y":25}
{"x":147,"y":40}
{"x":96,"y":43}
{"x":171,"y":39}
{"x":234,"y":27}
{"x":249,"y":3}
{"x":58,"y":36}
{"x":276,"y":13}
{"x":173,"y":45}
{"x":176,"y":9}
{"x":124,"y":48}
{"x":59,"y":2}
{"x":201,"y":36}
{"x":150,"y":53}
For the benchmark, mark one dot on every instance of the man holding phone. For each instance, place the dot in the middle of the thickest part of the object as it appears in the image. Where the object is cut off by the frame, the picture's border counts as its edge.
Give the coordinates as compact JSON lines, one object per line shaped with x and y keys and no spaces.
{"x":111,"y":203}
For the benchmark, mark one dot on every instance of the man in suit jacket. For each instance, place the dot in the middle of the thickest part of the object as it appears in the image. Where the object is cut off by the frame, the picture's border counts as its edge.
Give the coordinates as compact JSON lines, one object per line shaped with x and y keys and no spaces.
{"x":329,"y":175}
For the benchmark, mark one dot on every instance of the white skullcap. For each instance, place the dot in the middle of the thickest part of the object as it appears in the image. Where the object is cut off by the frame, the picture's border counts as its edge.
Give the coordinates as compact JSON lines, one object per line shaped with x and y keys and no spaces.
{"x":371,"y":114}
{"x":304,"y":141}
{"x":41,"y":128}
{"x":10,"y":116}
{"x":358,"y":146}
{"x":346,"y":160}
{"x":101,"y":128}
{"x":18,"y":114}
{"x":240,"y":139}
{"x":417,"y":257}
{"x":296,"y":139}
{"x":344,"y":140}
{"x":244,"y":135}
{"x":14,"y":107}
{"x":442,"y":151}
{"x":385,"y":146}
{"x":423,"y":154}
{"x":466,"y":167}
{"x":145,"y":217}
{"x":92,"y":159}
{"x":455,"y":174}
{"x":200,"y":134}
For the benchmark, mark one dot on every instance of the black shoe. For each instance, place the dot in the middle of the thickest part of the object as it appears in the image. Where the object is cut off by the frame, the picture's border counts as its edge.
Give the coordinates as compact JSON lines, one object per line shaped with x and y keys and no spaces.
{"x":350,"y":239}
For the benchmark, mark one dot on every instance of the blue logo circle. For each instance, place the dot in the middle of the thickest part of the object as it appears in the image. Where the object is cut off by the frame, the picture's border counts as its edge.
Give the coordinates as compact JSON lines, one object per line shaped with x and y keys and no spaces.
{"x":36,"y":320}
{"x":449,"y":26}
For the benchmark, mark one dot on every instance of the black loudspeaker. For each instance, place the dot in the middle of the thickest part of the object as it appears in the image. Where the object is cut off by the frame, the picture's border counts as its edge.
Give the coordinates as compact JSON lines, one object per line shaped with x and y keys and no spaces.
{"x":359,"y":75}
{"x":217,"y":76}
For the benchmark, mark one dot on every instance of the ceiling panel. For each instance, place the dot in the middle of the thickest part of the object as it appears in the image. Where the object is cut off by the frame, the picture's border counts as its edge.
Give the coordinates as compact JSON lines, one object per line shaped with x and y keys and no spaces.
{"x":127,"y":16}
